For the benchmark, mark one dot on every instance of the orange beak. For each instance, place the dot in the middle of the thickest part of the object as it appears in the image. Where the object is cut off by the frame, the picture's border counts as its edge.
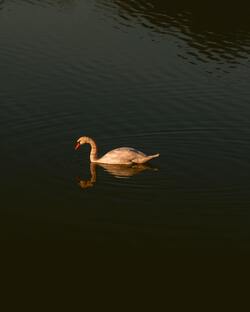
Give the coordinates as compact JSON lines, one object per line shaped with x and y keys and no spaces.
{"x":77,"y":146}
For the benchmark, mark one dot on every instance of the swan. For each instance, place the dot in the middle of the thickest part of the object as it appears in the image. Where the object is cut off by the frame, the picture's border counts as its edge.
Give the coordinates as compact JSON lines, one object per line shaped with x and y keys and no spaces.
{"x":118,"y":156}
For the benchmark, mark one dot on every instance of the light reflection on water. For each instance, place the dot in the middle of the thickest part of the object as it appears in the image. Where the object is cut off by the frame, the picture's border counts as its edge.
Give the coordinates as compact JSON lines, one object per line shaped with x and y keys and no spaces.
{"x":118,"y":171}
{"x":214,"y":32}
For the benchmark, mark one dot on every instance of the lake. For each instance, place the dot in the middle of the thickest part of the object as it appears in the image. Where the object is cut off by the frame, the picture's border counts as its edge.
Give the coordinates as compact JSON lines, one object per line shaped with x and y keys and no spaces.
{"x":168,"y":78}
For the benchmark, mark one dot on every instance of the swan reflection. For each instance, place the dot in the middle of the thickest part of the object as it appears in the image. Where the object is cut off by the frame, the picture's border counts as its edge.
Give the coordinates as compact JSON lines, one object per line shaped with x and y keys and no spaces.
{"x":118,"y":171}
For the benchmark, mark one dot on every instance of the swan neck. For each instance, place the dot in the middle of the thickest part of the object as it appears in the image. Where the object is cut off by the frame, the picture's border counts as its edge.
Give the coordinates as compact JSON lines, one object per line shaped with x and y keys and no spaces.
{"x":93,"y":151}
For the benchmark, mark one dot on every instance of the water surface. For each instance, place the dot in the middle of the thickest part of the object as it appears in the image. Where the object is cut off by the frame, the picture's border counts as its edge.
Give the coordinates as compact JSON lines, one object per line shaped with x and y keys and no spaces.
{"x":160,"y":77}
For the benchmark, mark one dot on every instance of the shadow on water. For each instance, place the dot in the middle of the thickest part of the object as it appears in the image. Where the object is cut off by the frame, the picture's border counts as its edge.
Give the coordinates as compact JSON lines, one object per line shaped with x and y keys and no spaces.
{"x":218,"y":31}
{"x":118,"y":171}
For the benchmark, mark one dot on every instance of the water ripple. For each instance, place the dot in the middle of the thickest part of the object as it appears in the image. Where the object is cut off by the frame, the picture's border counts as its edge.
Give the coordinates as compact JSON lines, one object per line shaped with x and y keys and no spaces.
{"x":59,"y":4}
{"x":208,"y":36}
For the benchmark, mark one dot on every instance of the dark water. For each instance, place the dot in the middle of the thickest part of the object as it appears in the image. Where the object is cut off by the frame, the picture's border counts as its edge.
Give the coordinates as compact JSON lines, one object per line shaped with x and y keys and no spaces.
{"x":162,"y":77}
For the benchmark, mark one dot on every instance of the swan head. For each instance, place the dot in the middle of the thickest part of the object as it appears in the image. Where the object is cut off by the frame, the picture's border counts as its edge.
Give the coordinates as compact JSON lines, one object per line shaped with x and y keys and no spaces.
{"x":81,"y":141}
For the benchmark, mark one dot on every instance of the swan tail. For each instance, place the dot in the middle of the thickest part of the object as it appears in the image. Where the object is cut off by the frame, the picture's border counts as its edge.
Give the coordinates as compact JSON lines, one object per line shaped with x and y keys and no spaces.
{"x":145,"y":159}
{"x":153,"y":156}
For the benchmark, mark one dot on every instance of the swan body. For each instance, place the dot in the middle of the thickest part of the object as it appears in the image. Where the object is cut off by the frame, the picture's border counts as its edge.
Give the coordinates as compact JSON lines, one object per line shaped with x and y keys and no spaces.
{"x":118,"y":156}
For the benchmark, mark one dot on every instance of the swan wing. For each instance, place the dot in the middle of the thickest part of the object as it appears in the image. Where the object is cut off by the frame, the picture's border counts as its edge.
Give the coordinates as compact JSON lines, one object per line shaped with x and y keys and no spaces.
{"x":121,"y":155}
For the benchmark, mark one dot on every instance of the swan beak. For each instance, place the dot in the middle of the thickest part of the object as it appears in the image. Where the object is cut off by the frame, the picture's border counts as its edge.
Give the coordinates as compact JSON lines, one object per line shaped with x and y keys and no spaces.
{"x":77,"y":146}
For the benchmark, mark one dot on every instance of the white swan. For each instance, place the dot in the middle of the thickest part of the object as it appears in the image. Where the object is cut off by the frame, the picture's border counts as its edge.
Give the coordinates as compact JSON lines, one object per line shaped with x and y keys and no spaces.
{"x":118,"y":156}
